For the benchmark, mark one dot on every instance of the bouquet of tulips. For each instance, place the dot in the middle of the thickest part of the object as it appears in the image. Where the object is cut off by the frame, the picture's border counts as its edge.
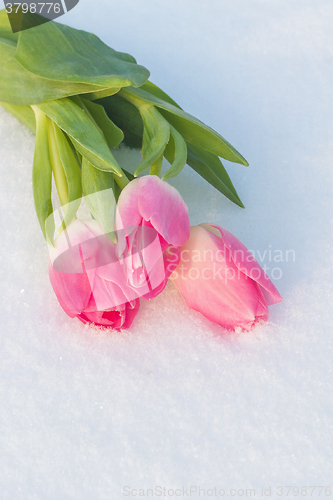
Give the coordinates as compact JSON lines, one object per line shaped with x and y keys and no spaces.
{"x":82,"y":99}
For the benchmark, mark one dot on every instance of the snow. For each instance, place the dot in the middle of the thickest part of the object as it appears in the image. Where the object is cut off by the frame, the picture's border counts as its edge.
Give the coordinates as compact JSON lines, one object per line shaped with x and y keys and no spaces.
{"x":177,"y":401}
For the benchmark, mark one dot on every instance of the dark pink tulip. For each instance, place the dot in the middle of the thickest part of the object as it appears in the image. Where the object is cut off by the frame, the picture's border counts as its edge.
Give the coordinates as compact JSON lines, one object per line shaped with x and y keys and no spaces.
{"x":220,"y":278}
{"x":152,"y":224}
{"x":88,"y":279}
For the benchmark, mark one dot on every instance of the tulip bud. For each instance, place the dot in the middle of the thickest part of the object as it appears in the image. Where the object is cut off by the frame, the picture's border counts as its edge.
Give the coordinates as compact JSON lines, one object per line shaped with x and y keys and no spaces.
{"x":152,"y":223}
{"x":89,"y":280}
{"x":220,"y":278}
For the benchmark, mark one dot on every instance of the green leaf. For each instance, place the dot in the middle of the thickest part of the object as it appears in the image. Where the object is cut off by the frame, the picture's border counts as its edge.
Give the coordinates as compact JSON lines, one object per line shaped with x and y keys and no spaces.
{"x":72,"y":174}
{"x":156,"y":136}
{"x":24,"y":114}
{"x":6,"y":29}
{"x":83,"y":133}
{"x":99,"y":94}
{"x":42,"y":178}
{"x":57,"y":168}
{"x":113,"y":134}
{"x":179,"y":149}
{"x":192,"y":129}
{"x":58,"y":52}
{"x":157,"y":92}
{"x":155,"y":156}
{"x":19,"y":86}
{"x":156,"y":166}
{"x":204,"y":163}
{"x":98,"y":189}
{"x":126,"y":116}
{"x":8,"y":42}
{"x":210,"y":167}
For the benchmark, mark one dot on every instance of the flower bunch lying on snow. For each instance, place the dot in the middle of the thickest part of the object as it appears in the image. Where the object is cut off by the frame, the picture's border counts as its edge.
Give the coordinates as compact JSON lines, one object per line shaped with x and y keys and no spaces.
{"x":101,"y":281}
{"x":82,"y":99}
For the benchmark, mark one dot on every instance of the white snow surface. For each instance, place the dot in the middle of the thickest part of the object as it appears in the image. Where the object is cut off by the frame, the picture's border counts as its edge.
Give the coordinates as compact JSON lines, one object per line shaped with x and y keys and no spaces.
{"x":177,"y":401}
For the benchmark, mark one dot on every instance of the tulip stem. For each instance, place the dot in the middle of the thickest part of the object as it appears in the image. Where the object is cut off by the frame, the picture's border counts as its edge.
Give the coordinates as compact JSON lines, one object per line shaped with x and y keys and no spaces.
{"x":156,"y":167}
{"x":121,"y":181}
{"x":156,"y":134}
{"x":136,"y":101}
{"x":57,"y":167}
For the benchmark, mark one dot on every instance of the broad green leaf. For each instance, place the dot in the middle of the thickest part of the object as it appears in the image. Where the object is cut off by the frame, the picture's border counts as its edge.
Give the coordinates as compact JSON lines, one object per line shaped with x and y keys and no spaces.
{"x":98,"y":189}
{"x":58,"y":52}
{"x":19,"y":86}
{"x":204,"y":163}
{"x":42,"y":178}
{"x":126,"y":116}
{"x":71,"y":171}
{"x":113,"y":134}
{"x":24,"y":114}
{"x":6,"y":40}
{"x":6,"y":29}
{"x":82,"y":131}
{"x":157,"y":92}
{"x":192,"y":129}
{"x":156,"y":137}
{"x":211,"y":169}
{"x":179,"y":154}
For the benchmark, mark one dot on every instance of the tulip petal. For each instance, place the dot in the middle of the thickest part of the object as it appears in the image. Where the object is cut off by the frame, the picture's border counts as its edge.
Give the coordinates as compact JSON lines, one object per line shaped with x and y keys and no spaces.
{"x":246,"y":263}
{"x":128,"y":214}
{"x":73,"y":290}
{"x":107,"y":294}
{"x":111,"y":319}
{"x":84,"y":254}
{"x":131,"y":312}
{"x":157,"y":202}
{"x":119,"y":318}
{"x":151,"y":217}
{"x":262,"y":309}
{"x":171,"y":259}
{"x":67,"y":241}
{"x":212,"y":284}
{"x":114,"y":275}
{"x":162,"y":205}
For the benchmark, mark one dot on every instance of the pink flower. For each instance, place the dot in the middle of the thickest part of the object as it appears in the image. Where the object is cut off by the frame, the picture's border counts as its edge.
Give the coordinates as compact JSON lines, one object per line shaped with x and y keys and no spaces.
{"x":220,"y":278}
{"x":88,"y":279}
{"x":152,"y":224}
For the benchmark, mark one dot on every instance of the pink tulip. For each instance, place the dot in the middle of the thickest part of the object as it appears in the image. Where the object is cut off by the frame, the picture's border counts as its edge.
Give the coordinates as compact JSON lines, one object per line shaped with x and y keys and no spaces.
{"x":88,"y":279}
{"x":220,"y":278}
{"x":152,"y":224}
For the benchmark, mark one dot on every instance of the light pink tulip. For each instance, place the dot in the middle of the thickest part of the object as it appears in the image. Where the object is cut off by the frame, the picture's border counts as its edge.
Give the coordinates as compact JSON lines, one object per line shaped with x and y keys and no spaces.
{"x":220,"y":278}
{"x":152,"y":223}
{"x":88,"y":279}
